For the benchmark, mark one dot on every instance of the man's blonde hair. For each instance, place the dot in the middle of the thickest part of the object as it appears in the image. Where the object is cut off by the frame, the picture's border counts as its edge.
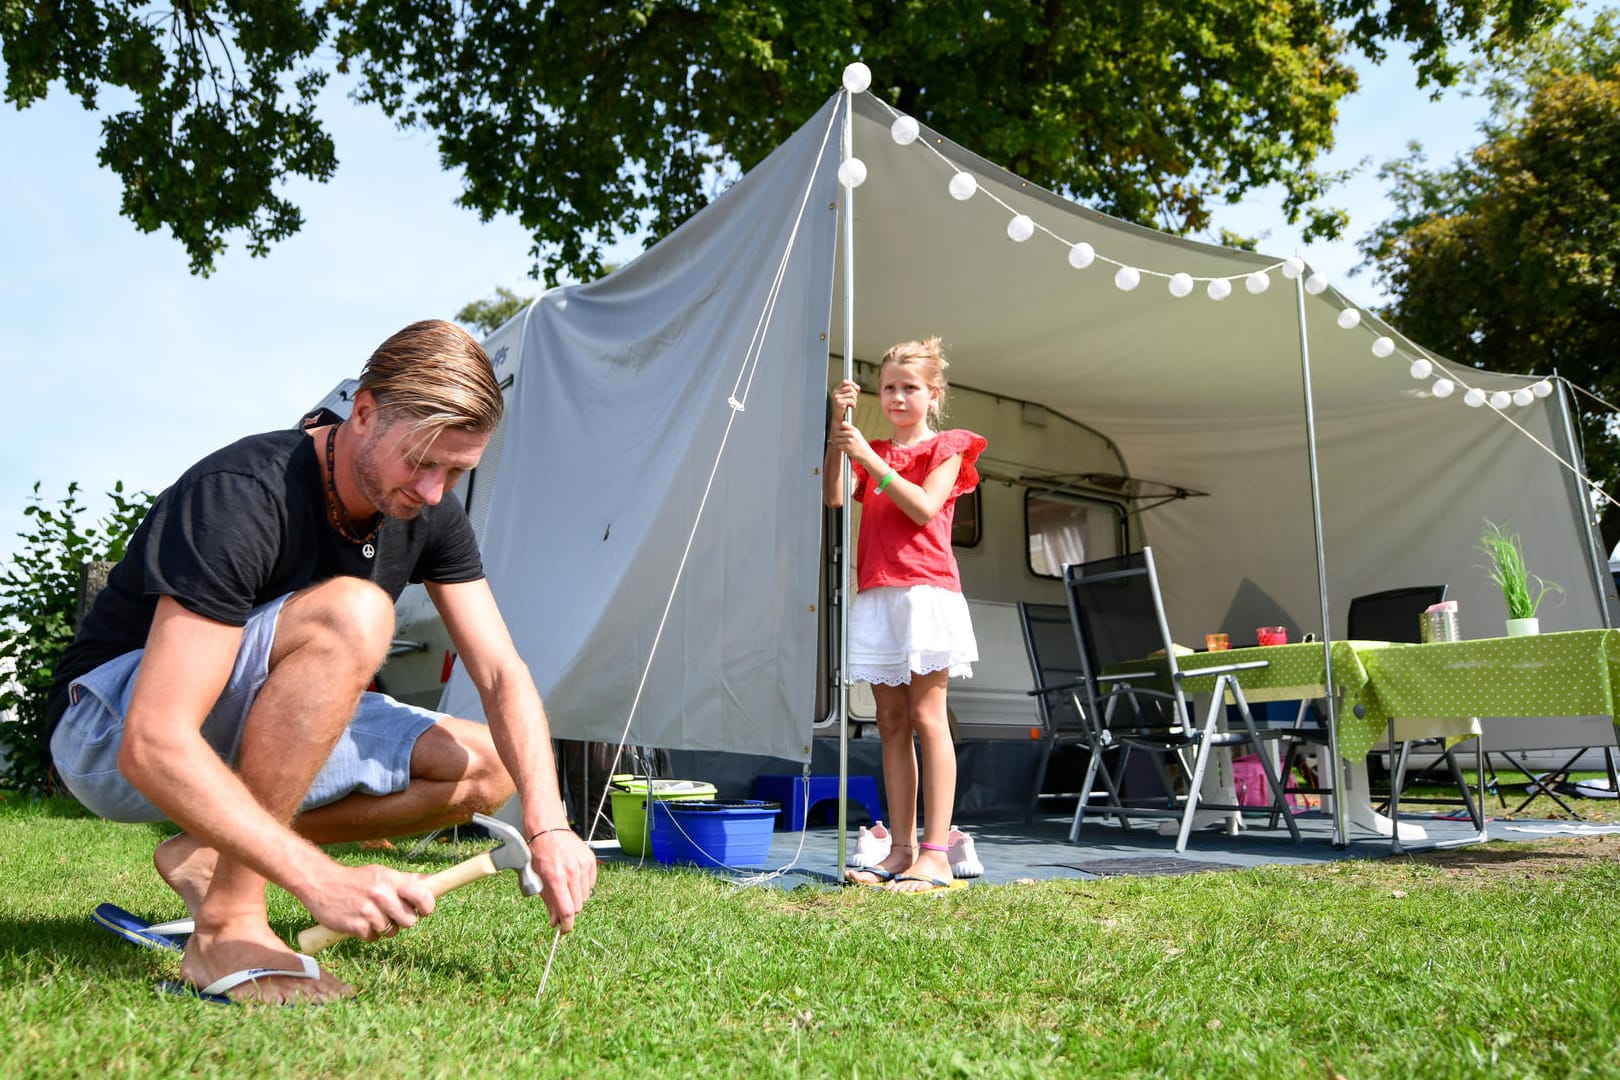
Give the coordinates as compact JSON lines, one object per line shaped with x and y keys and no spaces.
{"x":435,"y":373}
{"x":927,"y":358}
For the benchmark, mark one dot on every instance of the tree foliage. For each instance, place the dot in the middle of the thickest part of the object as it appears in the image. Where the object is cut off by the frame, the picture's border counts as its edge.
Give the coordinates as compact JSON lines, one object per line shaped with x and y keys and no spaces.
{"x":39,"y":596}
{"x":486,"y":316}
{"x":590,"y":122}
{"x":216,"y":106}
{"x":1509,"y":258}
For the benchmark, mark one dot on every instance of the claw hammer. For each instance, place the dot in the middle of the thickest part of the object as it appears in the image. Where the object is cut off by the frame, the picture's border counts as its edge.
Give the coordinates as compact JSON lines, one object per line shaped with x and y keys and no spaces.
{"x":511,"y":854}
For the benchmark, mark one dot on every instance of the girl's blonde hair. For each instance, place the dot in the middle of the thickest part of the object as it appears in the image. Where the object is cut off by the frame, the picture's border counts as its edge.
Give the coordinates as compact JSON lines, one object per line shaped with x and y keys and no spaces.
{"x":927,"y":358}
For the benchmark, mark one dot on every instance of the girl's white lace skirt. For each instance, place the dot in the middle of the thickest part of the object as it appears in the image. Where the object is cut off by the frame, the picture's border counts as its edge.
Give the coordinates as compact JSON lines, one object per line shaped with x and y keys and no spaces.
{"x":894,"y":631}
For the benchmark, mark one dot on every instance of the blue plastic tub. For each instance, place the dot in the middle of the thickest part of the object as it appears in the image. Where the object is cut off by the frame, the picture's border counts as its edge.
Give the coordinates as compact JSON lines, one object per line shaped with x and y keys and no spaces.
{"x":723,"y":833}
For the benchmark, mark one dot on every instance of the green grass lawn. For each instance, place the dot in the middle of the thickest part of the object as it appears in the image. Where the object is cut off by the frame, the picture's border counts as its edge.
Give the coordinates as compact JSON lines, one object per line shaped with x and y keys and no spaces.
{"x":1497,"y":961}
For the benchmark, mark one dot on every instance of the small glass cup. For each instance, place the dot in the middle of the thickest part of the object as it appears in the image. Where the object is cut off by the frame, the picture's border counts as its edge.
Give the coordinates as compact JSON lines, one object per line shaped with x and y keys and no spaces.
{"x":1217,"y":642}
{"x":1271,"y":635}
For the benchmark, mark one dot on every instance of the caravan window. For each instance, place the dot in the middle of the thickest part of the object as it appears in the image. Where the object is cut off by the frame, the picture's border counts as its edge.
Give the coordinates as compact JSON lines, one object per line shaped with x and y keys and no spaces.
{"x":1066,"y":529}
{"x":965,"y":532}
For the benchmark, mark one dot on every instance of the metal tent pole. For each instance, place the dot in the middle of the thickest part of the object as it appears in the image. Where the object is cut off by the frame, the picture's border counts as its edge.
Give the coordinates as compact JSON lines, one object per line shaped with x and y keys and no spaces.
{"x":1340,"y":833}
{"x":843,"y":586}
{"x":1590,"y":534}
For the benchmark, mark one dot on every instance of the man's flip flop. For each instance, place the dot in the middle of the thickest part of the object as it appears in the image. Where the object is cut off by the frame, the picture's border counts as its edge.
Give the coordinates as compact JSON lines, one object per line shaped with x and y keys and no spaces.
{"x":939,"y":885}
{"x":169,"y":936}
{"x":215,"y":992}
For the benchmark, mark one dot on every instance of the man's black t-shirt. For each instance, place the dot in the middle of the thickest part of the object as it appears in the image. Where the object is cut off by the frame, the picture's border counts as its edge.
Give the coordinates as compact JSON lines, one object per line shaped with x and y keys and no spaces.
{"x":243,"y":526}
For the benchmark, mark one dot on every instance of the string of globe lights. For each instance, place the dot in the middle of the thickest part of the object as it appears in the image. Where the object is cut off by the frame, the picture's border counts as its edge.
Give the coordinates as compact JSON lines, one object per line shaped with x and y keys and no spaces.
{"x":1421,"y":365}
{"x":964,"y":185}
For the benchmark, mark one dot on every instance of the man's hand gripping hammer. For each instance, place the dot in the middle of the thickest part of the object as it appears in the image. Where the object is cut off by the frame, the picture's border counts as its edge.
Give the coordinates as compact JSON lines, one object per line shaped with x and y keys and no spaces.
{"x":512,"y":854}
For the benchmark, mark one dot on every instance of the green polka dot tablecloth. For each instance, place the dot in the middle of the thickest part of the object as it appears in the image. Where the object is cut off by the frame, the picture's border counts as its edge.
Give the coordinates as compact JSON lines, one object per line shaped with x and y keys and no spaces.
{"x":1568,"y":674}
{"x":1299,"y":671}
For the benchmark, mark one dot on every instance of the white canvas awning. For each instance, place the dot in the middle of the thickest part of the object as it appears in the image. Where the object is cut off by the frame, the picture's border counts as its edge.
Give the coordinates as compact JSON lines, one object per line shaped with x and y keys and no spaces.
{"x":623,"y":407}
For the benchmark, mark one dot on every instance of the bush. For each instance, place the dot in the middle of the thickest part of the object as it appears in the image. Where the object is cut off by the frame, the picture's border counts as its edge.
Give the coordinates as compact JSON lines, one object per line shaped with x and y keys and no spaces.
{"x":39,"y":597}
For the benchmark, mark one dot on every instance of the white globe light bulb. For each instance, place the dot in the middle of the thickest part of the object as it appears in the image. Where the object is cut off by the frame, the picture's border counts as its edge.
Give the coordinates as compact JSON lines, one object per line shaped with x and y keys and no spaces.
{"x":1316,"y":283}
{"x":1020,"y":228}
{"x":904,"y":130}
{"x":1218,"y":288}
{"x":1500,"y":399}
{"x":1349,"y":319}
{"x":1382,"y":347}
{"x":1523,"y":396}
{"x":963,"y":186}
{"x":852,"y":173}
{"x":1421,"y":368}
{"x":1082,"y":255}
{"x":1127,"y":279}
{"x":1474,"y":398}
{"x":1257,"y":282}
{"x":857,"y":77}
{"x":1542,"y":388}
{"x":1292,"y":267}
{"x":1180,"y":284}
{"x":1443,"y":387}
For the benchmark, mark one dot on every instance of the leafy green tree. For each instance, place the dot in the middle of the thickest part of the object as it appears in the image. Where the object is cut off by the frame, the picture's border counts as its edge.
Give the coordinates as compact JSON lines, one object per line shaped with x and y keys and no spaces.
{"x":1509,"y":258}
{"x":488,"y":315}
{"x":590,"y":122}
{"x":39,"y":597}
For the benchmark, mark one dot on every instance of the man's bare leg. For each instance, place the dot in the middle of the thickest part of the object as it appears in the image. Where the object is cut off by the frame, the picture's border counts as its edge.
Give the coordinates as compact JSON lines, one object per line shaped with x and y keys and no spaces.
{"x":455,"y":773}
{"x":330,"y":640}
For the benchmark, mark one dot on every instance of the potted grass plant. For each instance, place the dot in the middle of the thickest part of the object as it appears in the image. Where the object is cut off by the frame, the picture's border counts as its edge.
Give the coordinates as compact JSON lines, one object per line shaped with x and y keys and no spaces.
{"x":1522,"y":591}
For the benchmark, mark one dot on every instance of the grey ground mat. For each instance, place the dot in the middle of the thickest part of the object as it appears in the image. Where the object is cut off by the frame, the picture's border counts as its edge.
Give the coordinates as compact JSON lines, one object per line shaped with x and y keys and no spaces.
{"x":1146,"y":866}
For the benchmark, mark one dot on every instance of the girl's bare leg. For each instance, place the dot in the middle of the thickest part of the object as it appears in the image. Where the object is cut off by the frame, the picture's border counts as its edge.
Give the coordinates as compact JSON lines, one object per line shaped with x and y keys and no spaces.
{"x":899,"y":780}
{"x":927,"y":716}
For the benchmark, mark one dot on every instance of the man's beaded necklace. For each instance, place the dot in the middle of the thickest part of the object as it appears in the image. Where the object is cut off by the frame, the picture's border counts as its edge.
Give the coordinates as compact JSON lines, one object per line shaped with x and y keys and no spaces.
{"x":334,"y":503}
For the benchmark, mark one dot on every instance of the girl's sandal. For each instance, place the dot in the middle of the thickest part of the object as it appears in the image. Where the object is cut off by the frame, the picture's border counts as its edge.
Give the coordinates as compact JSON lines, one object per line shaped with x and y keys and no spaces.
{"x":879,"y":876}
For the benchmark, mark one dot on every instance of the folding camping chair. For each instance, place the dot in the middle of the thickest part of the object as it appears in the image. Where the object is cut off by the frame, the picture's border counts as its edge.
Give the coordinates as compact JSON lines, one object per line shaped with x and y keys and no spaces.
{"x":1118,"y":615}
{"x":1054,"y":663}
{"x":1395,"y":615}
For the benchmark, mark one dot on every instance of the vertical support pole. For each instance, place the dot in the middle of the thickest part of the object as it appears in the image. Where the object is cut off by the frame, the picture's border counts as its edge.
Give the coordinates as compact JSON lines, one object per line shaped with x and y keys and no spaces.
{"x":1598,"y":558}
{"x":1340,"y":773}
{"x":844,"y":584}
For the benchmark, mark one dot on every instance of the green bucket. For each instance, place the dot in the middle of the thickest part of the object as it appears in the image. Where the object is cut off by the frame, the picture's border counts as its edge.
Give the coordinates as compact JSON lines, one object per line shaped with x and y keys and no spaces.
{"x":629,"y":795}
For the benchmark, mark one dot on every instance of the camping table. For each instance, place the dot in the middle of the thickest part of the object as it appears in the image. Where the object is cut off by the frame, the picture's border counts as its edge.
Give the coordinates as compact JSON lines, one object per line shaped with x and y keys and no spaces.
{"x":1434,"y":690}
{"x":1297,"y":672}
{"x":1547,"y":676}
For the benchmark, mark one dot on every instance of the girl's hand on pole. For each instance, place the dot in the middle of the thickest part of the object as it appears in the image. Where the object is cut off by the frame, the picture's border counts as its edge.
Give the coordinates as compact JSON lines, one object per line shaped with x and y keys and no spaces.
{"x":848,"y":438}
{"x":844,"y":396}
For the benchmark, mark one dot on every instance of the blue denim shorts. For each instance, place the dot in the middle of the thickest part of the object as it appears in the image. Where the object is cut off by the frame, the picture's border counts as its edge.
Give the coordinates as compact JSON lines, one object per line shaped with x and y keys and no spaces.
{"x":373,"y":756}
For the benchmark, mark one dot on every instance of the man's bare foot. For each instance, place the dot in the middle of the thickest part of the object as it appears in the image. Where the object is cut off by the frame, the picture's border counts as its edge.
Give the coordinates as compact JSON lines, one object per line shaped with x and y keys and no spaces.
{"x":187,"y":866}
{"x":896,"y":862}
{"x":213,"y":955}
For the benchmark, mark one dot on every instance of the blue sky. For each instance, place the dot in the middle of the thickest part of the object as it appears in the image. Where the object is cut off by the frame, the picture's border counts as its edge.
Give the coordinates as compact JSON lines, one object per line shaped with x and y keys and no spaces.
{"x":120,"y":365}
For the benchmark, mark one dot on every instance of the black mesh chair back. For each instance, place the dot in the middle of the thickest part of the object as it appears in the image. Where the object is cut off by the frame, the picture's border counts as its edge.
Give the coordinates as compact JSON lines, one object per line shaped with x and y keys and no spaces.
{"x":1058,"y":672}
{"x":1054,"y":661}
{"x":1392,"y":615}
{"x":1119,"y":617}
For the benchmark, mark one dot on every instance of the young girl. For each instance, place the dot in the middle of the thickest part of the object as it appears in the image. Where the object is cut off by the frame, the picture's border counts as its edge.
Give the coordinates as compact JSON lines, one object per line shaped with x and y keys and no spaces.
{"x":908,"y":626}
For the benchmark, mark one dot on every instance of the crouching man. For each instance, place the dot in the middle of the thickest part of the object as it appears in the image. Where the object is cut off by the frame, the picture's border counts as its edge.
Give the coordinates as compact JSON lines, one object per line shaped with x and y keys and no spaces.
{"x":220,"y":680}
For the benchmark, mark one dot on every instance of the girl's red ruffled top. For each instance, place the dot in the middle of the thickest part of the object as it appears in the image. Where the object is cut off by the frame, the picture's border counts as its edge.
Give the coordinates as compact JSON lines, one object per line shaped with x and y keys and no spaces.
{"x":894,"y":550}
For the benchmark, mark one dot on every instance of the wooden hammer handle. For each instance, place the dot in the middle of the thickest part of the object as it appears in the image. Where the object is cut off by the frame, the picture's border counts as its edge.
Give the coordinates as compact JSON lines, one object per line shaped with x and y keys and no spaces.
{"x":317,"y":938}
